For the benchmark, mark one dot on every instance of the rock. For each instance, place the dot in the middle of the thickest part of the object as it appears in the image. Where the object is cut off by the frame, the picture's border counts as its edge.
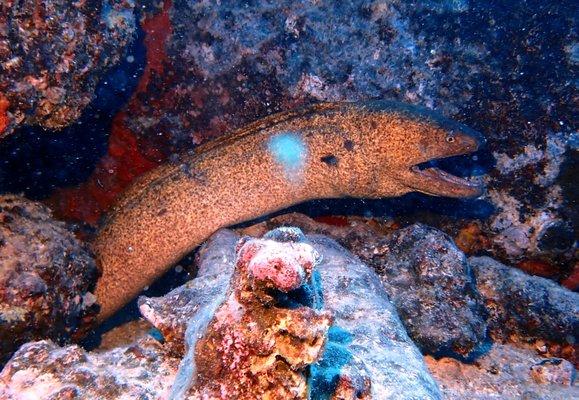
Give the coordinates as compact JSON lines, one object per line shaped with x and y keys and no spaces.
{"x":525,"y":306}
{"x":171,"y":313}
{"x":258,"y":345}
{"x":366,"y":343}
{"x":124,"y":335}
{"x":42,"y":370}
{"x":367,"y":340}
{"x":553,"y":370}
{"x":52,"y":55}
{"x":425,"y":275}
{"x":505,"y":372}
{"x":347,"y":389}
{"x":431,"y":284}
{"x":367,"y":352}
{"x":421,"y":261}
{"x":46,"y":275}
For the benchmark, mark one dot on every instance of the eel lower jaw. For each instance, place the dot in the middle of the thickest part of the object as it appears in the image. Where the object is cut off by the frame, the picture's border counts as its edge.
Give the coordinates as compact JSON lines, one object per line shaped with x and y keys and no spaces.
{"x":436,"y":182}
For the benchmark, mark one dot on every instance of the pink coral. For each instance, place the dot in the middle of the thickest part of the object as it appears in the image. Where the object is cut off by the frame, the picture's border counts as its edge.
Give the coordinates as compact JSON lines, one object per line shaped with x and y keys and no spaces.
{"x":253,"y":347}
{"x":286,"y":266}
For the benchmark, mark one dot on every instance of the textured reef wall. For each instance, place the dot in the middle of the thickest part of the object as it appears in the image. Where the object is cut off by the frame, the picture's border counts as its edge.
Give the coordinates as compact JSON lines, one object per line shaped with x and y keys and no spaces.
{"x":52,"y":55}
{"x":485,"y":328}
{"x":506,"y":71}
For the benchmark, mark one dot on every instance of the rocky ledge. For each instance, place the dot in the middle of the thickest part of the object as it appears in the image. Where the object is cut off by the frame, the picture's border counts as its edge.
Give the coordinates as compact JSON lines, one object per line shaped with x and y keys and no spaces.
{"x":336,"y":313}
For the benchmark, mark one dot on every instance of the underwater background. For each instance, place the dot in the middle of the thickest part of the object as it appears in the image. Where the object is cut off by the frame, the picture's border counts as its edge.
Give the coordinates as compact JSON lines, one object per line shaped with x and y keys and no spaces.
{"x":95,"y":93}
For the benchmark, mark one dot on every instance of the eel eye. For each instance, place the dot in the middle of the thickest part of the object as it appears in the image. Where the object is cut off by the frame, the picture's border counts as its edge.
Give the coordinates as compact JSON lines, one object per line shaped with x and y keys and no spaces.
{"x":450,"y":139}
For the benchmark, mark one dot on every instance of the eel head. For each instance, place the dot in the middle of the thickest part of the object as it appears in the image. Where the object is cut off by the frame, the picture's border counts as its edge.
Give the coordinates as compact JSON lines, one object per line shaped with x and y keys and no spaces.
{"x":428,"y":137}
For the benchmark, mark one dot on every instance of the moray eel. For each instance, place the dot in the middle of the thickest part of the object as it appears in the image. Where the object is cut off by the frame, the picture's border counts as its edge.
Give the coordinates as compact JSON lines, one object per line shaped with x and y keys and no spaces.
{"x":330,"y":150}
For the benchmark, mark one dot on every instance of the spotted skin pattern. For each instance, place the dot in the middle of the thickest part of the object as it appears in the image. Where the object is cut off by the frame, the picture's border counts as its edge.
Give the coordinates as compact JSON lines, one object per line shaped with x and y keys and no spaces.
{"x":330,"y":150}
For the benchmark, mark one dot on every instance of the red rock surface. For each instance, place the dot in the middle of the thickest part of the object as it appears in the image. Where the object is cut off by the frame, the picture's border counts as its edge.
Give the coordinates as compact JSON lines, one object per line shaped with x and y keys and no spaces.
{"x":129,"y":154}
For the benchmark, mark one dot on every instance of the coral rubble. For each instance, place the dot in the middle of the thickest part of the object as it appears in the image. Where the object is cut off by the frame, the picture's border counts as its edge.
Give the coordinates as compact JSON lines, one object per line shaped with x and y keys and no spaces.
{"x":254,"y":347}
{"x":45,"y":276}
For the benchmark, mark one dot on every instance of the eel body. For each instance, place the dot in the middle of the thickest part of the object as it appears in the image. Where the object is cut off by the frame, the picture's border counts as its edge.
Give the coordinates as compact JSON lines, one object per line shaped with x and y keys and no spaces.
{"x":330,"y":150}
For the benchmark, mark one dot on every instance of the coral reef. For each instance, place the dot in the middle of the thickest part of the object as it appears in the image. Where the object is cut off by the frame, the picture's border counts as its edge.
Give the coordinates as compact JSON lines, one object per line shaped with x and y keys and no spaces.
{"x":425,"y":275}
{"x":419,"y":262}
{"x":45,"y":277}
{"x":394,"y":288}
{"x":53,"y":54}
{"x":366,"y":342}
{"x":212,"y":325}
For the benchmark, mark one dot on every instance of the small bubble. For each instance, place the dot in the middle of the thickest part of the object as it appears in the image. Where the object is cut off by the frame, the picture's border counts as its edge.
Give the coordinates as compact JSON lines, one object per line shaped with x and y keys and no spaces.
{"x":130,"y":249}
{"x":130,"y":59}
{"x":178,"y":269}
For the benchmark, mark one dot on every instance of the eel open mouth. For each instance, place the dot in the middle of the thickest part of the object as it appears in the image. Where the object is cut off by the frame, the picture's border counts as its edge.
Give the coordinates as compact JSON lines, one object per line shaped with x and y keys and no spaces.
{"x":433,"y":180}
